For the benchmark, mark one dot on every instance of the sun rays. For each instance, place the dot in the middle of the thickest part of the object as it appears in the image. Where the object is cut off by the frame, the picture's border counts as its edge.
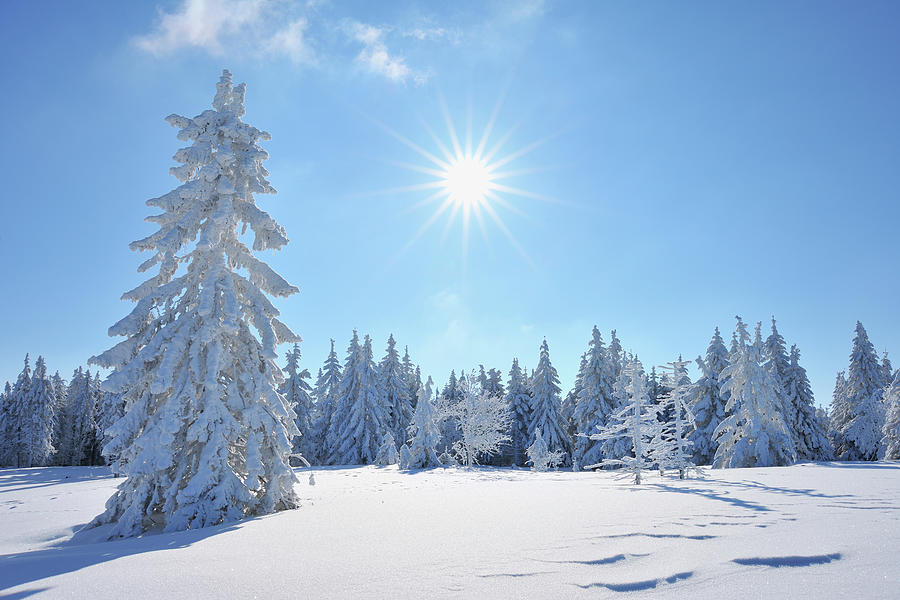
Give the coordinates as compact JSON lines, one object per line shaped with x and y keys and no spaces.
{"x":467,"y":181}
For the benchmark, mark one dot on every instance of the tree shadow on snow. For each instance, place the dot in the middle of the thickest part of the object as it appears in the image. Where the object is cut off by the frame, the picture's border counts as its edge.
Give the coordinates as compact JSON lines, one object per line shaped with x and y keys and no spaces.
{"x":890,"y":465}
{"x":637,"y":586}
{"x":83,"y":550}
{"x":23,"y":594}
{"x":712,"y":495}
{"x":17,"y":480}
{"x":789,"y":561}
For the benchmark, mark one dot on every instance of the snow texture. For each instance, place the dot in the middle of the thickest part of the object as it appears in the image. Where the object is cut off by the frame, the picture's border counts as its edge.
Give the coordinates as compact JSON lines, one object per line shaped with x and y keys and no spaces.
{"x":808,"y":531}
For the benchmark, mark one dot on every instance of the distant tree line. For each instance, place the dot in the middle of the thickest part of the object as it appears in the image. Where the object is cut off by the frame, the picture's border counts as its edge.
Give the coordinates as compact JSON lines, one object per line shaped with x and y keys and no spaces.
{"x":751,"y":406}
{"x":48,"y":421}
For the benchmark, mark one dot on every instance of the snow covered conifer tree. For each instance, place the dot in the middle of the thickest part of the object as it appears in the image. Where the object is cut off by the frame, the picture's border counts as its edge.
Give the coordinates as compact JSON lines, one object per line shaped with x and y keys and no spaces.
{"x":81,"y":433}
{"x":887,"y":370}
{"x":891,"y":428}
{"x":861,"y":429}
{"x":37,"y":418}
{"x":615,"y":355}
{"x":546,"y":404}
{"x":482,"y":377}
{"x":19,"y":410}
{"x":424,"y":433}
{"x":636,"y":420}
{"x":394,"y":390}
{"x":810,"y":436}
{"x":297,"y":392}
{"x":413,"y":378}
{"x":518,"y":402}
{"x":206,"y":435}
{"x":415,"y":384}
{"x":387,"y":451}
{"x":347,"y":392}
{"x":569,"y":404}
{"x":596,"y":401}
{"x":777,"y":362}
{"x":494,"y":383}
{"x":776,"y":351}
{"x":707,"y":401}
{"x":328,"y":387}
{"x":839,"y":413}
{"x":364,"y":418}
{"x":754,"y":433}
{"x":7,"y":429}
{"x":540,"y":456}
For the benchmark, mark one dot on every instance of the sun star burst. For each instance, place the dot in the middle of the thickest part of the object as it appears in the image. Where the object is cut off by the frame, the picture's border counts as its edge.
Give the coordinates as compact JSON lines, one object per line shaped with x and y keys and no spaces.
{"x":467,"y":180}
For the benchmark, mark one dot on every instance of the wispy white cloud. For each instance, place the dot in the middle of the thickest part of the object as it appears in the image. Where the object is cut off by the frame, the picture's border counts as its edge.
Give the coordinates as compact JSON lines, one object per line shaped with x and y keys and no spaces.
{"x":520,"y":10}
{"x":200,"y":24}
{"x":310,"y":34}
{"x":374,"y":55}
{"x":424,"y":34}
{"x":293,"y":43}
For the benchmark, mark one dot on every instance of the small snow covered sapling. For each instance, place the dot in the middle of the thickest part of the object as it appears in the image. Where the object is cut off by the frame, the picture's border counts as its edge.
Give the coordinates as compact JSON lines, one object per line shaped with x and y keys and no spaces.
{"x":541,"y":457}
{"x":387,"y":452}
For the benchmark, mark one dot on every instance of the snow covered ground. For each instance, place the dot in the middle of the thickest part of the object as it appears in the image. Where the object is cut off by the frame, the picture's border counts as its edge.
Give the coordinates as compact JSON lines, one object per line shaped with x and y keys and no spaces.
{"x":807,"y":531}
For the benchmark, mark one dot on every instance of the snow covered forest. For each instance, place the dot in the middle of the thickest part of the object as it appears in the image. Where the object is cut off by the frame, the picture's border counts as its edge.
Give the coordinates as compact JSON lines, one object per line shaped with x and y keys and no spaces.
{"x":752,"y":406}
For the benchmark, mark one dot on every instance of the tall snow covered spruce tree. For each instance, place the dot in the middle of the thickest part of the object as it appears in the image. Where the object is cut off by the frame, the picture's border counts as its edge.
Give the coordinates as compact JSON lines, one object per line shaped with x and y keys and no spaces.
{"x":595,"y":402}
{"x":860,"y":429}
{"x":360,"y":418}
{"x":546,"y":405}
{"x":810,"y":431}
{"x":518,"y":402}
{"x":891,"y":429}
{"x":328,"y":388}
{"x":298,"y":394}
{"x":707,"y":400}
{"x":424,"y":433}
{"x":206,"y":435}
{"x":754,"y":434}
{"x":394,"y":389}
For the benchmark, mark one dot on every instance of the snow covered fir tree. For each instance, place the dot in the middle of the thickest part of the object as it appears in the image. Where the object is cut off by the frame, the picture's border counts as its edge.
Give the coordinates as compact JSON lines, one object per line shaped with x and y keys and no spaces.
{"x":858,"y":417}
{"x":754,"y":433}
{"x":206,"y":434}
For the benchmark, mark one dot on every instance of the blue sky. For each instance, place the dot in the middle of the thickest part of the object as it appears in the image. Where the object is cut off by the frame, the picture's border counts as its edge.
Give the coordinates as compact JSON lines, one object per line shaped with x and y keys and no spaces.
{"x":685,"y":162}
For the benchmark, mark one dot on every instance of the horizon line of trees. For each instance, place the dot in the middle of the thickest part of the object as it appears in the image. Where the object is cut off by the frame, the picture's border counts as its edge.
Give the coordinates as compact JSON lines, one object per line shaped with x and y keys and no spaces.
{"x":751,"y":406}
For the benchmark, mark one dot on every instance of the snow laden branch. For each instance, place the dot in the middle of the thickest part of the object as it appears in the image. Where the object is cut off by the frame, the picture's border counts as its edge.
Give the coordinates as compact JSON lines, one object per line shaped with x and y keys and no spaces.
{"x":206,"y":434}
{"x":672,"y":447}
{"x":482,"y":421}
{"x":636,"y":420}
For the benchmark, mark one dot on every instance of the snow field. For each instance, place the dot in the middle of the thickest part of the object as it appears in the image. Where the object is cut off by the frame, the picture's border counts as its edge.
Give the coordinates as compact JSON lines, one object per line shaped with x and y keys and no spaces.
{"x":811,"y":530}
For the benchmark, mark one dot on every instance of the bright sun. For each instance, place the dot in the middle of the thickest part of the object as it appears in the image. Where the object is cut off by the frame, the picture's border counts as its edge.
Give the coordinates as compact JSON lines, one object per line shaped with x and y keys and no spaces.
{"x":467,"y":179}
